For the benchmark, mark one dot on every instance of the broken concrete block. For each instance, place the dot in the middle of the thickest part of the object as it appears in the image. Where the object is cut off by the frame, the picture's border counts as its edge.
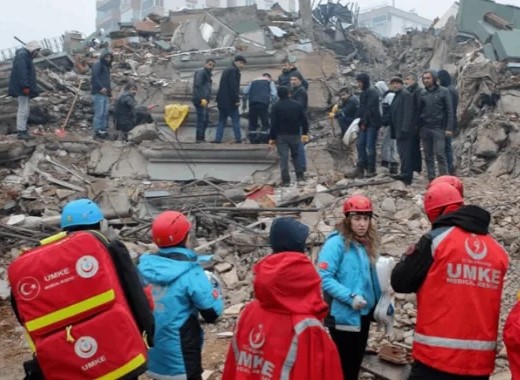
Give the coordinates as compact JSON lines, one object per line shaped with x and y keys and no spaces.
{"x":388,"y":205}
{"x":62,"y":194}
{"x":423,"y":41}
{"x":233,"y":310}
{"x":5,"y":290}
{"x":223,"y":267}
{"x":236,"y":195}
{"x":486,"y":147}
{"x":143,"y":132}
{"x":230,"y":278}
{"x":509,"y":100}
{"x":249,"y":203}
{"x":134,"y":165}
{"x":322,"y":200}
{"x":102,"y":159}
{"x":115,"y":204}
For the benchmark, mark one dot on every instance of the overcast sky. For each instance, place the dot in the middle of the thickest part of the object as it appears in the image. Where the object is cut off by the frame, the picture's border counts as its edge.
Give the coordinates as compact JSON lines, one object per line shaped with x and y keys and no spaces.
{"x":38,"y":19}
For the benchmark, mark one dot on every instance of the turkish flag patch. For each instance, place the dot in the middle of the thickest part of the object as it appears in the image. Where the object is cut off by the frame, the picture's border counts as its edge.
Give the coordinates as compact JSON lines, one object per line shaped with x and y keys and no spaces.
{"x":323,"y":265}
{"x":215,"y":293}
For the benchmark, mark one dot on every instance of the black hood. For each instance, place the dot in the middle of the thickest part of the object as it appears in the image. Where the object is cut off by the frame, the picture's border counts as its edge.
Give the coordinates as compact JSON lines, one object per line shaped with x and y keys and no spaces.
{"x":365,"y":79}
{"x":470,"y":218}
{"x":444,"y":78}
{"x":104,"y":54}
{"x":288,"y":235}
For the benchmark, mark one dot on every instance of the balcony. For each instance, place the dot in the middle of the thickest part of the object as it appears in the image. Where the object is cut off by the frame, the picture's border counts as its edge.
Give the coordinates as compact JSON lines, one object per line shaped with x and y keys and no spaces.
{"x":107,"y":5}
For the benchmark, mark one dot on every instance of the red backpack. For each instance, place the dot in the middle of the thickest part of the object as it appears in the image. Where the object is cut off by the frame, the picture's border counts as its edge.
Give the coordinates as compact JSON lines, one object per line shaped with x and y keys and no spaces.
{"x":71,"y":302}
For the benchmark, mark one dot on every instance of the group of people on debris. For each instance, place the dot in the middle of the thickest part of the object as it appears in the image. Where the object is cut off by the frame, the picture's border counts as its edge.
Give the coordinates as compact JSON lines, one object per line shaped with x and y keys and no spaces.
{"x":127,"y":113}
{"x":307,"y":320}
{"x":408,"y":115}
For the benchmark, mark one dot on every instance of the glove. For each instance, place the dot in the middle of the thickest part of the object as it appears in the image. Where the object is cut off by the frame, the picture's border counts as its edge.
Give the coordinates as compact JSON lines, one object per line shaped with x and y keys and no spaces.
{"x":358,"y":303}
{"x":203,"y":102}
{"x":26,"y":91}
{"x":335,"y":108}
{"x":332,"y":115}
{"x":272,"y":142}
{"x":305,"y":139}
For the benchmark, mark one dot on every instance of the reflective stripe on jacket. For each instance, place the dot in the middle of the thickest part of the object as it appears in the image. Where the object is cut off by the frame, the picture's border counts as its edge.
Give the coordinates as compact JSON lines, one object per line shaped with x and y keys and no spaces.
{"x":458,"y":305}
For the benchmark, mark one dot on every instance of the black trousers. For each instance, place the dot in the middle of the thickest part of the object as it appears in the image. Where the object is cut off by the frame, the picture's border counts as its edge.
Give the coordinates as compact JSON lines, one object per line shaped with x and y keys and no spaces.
{"x":416,"y":154}
{"x":351,"y":348}
{"x":404,"y":147}
{"x":421,"y":371}
{"x":258,"y":111}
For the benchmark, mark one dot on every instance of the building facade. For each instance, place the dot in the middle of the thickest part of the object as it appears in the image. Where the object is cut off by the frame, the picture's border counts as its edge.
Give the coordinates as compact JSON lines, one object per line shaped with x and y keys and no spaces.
{"x":110,"y":12}
{"x":389,"y":21}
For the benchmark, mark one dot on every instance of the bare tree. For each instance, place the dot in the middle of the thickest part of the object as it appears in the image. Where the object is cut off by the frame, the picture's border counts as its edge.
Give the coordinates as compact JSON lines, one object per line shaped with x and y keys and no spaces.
{"x":306,"y":16}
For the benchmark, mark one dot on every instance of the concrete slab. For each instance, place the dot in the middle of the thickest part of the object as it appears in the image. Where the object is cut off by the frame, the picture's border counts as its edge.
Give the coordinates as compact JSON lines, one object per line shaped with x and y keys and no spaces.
{"x":102,"y":159}
{"x":131,"y":164}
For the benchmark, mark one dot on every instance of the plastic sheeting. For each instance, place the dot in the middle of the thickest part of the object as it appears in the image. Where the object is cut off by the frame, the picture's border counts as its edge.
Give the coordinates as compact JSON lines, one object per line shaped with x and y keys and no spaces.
{"x":175,"y":114}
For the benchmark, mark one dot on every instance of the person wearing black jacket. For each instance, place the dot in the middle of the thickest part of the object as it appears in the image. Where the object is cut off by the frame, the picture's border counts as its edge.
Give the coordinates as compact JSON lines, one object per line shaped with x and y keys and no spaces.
{"x":101,"y":92}
{"x":288,"y":70}
{"x":288,"y":123}
{"x":435,"y":123}
{"x":348,"y":107}
{"x":370,"y":114}
{"x":22,"y":84}
{"x":415,"y":142}
{"x":401,"y":114}
{"x":201,"y":96}
{"x":228,"y":99}
{"x":127,"y":113}
{"x":457,"y":231}
{"x":445,"y":80}
{"x":299,"y":94}
{"x":260,"y":93}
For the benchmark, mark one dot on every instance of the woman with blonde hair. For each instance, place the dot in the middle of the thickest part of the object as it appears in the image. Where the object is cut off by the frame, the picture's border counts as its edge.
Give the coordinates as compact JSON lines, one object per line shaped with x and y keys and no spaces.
{"x":346,"y":264}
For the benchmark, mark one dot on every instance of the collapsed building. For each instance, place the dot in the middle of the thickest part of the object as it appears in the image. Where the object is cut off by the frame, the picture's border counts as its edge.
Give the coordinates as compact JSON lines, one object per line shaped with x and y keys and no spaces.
{"x":230,"y":192}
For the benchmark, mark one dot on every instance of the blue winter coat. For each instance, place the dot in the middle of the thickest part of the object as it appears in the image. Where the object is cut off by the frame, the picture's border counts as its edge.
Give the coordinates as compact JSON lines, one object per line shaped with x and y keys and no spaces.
{"x":180,"y":290}
{"x":346,"y":273}
{"x":23,"y":74}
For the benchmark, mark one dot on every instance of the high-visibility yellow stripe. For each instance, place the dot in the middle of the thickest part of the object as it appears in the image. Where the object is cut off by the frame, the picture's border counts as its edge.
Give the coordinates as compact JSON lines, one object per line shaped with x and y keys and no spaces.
{"x":69,"y":311}
{"x":53,"y":238}
{"x":132,"y":365}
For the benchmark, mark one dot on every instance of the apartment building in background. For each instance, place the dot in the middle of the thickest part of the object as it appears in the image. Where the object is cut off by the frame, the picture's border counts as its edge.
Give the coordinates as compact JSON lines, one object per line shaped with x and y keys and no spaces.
{"x":388,"y":21}
{"x":110,"y":12}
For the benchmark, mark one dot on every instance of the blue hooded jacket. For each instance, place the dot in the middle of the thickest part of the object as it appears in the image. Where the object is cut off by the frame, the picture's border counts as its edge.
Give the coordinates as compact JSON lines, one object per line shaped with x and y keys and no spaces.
{"x":180,"y":290}
{"x":346,"y":273}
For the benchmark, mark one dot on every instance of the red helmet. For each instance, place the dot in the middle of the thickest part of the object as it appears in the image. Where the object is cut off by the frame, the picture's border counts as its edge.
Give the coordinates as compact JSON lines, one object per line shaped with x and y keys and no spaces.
{"x":451,"y":180}
{"x":440,"y":196}
{"x":357,"y":203}
{"x":170,"y":229}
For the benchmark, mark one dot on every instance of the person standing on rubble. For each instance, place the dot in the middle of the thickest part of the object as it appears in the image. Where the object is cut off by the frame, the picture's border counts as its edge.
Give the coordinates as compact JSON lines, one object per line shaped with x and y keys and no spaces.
{"x":389,"y":155}
{"x":412,"y":86}
{"x":283,"y":327}
{"x":435,"y":123}
{"x":289,"y":128}
{"x":346,"y":264}
{"x":457,"y":270}
{"x":260,"y":94}
{"x":101,"y":93}
{"x":181,"y":291}
{"x":299,"y":94}
{"x":23,"y":86}
{"x":370,"y":121}
{"x":401,"y":114}
{"x":201,"y":96}
{"x":346,"y":109}
{"x":228,"y":99}
{"x":288,"y":69}
{"x":445,"y":80}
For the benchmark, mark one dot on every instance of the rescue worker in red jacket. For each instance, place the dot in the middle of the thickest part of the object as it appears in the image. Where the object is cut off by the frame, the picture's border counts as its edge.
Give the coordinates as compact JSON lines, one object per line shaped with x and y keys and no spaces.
{"x":512,"y":340}
{"x":457,"y":270}
{"x":280,"y":335}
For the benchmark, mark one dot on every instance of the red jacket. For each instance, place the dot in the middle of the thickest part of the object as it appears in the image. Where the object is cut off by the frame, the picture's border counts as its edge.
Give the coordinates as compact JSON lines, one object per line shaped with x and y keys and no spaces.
{"x":280,"y":335}
{"x":512,"y":341}
{"x":458,"y":304}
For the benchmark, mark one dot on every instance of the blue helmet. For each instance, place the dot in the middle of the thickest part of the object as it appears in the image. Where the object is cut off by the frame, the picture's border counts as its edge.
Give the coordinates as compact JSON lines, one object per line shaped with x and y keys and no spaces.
{"x":81,"y":212}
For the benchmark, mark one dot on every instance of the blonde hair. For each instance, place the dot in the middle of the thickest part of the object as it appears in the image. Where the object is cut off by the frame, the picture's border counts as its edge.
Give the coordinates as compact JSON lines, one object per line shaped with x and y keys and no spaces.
{"x":372,"y":236}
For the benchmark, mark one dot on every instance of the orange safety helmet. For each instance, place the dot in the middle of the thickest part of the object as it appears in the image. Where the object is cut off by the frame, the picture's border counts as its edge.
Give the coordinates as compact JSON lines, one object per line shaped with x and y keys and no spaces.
{"x":451,"y":180}
{"x":357,"y":203}
{"x":170,"y":229}
{"x":440,"y":196}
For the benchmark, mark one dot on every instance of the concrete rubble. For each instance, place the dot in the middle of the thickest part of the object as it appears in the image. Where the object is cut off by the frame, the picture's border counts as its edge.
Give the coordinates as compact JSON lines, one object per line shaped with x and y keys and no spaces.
{"x":231,"y":192}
